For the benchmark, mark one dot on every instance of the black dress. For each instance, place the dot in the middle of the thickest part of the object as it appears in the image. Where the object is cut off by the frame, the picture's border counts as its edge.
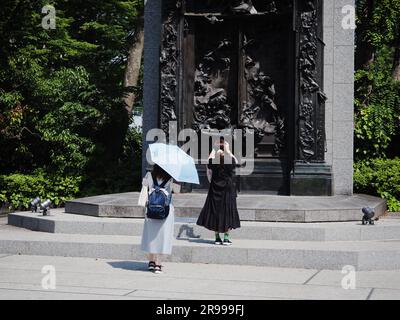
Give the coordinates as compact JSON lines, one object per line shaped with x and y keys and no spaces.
{"x":220,"y":212}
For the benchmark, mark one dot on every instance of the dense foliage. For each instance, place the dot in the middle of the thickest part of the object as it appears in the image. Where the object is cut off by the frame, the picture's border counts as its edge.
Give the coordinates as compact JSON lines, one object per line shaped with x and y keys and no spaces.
{"x":377,"y":100}
{"x":62,"y":119}
{"x":19,"y":189}
{"x":380,"y":177}
{"x":64,"y":131}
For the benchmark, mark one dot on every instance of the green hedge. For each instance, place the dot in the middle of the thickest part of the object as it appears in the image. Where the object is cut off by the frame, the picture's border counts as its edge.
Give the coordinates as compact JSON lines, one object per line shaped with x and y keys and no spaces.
{"x":379,"y":177}
{"x":17,"y":190}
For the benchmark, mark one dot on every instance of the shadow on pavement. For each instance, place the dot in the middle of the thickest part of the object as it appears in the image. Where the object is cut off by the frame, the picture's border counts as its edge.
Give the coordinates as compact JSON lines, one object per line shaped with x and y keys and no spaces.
{"x":196,"y":240}
{"x":189,"y":231}
{"x":129,"y":265}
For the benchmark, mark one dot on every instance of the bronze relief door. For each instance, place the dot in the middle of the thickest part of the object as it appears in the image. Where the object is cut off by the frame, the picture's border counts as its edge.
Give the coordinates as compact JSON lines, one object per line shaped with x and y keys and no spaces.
{"x":237,"y":74}
{"x":215,"y":76}
{"x":251,"y":64}
{"x":266,"y":101}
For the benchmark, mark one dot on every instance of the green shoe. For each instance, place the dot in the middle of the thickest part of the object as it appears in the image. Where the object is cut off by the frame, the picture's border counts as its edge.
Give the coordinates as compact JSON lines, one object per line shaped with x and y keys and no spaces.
{"x":227,"y":242}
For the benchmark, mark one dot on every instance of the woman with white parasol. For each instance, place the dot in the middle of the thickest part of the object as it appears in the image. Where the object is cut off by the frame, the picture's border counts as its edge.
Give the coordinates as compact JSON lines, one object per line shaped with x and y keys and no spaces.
{"x":170,"y":162}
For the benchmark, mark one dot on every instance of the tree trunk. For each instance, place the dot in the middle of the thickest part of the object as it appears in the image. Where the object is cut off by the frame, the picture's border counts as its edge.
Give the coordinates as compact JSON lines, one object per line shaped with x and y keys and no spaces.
{"x":133,"y":65}
{"x":365,"y":53}
{"x":396,"y":60}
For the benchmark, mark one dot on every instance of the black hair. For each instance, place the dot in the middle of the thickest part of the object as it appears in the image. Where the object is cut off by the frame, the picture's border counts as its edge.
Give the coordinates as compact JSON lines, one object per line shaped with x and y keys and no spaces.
{"x":222,"y":143}
{"x":159,"y":172}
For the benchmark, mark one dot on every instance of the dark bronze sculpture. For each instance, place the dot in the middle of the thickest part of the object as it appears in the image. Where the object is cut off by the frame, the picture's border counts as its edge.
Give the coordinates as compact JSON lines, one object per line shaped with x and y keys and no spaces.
{"x":310,"y":131}
{"x":251,"y":64}
{"x":211,"y":107}
{"x":260,"y":112}
{"x":236,"y":6}
{"x":169,"y":63}
{"x":243,"y":6}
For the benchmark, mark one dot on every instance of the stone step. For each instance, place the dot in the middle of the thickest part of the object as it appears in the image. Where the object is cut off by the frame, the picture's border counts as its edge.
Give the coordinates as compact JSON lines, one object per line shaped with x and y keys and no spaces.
{"x":362,"y":255}
{"x":251,"y":207}
{"x":60,"y":222}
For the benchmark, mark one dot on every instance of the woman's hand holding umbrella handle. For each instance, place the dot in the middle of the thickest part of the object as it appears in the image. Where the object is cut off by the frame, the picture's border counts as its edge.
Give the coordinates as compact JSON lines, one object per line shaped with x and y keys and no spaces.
{"x":212,"y":155}
{"x":228,"y":151}
{"x":226,"y":146}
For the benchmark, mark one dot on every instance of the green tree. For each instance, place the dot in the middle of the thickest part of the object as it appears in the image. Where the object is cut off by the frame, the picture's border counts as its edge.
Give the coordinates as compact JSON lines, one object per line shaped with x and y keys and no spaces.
{"x":62,"y":90}
{"x":377,"y":89}
{"x":377,"y":99}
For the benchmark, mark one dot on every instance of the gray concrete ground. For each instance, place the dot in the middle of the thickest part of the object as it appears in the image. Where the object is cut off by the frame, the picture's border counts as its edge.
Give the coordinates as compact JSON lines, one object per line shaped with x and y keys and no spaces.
{"x":21,"y":277}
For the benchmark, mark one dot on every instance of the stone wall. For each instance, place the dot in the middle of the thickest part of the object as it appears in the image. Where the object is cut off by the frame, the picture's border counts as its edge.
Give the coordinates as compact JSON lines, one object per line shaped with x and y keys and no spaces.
{"x":339,"y":87}
{"x":152,"y":40}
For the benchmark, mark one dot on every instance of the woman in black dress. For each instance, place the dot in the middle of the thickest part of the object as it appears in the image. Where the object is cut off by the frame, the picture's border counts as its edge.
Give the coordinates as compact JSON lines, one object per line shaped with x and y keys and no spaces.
{"x":220,"y":213}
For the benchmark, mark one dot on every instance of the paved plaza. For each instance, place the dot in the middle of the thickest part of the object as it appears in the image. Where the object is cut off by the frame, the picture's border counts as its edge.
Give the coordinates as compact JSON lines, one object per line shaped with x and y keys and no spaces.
{"x":28,"y":277}
{"x":54,"y":277}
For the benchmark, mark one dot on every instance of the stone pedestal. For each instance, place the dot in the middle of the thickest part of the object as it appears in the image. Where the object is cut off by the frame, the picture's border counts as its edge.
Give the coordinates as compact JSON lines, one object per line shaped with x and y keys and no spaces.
{"x":311,"y":180}
{"x":339,"y":88}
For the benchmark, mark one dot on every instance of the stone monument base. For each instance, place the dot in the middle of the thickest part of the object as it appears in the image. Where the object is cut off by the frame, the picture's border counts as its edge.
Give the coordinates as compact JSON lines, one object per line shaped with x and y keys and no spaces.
{"x":267,"y":208}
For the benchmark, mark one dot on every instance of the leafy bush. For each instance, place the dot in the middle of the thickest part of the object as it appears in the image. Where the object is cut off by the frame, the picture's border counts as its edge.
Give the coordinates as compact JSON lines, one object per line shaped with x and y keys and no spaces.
{"x":379,"y":177}
{"x":17,"y":190}
{"x":377,"y":110}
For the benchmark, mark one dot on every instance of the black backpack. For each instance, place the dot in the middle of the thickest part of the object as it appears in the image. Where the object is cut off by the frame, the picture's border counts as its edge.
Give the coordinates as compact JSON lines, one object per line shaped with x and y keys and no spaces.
{"x":158,"y":202}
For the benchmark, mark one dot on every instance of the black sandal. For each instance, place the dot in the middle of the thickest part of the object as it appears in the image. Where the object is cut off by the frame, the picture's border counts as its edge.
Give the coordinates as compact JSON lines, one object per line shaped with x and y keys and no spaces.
{"x":151,"y":265}
{"x":158,"y":269}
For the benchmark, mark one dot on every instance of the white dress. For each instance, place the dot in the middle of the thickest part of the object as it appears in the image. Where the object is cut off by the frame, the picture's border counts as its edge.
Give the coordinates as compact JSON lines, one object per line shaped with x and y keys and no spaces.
{"x":158,"y":234}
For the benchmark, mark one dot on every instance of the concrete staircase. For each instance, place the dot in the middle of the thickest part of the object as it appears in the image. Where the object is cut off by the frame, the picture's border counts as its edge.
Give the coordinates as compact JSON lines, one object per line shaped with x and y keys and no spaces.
{"x":310,"y":246}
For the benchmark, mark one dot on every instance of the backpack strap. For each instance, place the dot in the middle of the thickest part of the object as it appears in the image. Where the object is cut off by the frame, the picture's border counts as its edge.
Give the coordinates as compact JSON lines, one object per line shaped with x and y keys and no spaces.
{"x":155,"y":184}
{"x":162,"y":185}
